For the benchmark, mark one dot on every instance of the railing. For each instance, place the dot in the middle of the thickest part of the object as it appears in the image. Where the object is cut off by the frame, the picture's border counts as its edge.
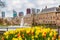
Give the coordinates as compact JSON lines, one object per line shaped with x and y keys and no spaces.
{"x":12,"y":27}
{"x":3,"y":29}
{"x":8,"y":28}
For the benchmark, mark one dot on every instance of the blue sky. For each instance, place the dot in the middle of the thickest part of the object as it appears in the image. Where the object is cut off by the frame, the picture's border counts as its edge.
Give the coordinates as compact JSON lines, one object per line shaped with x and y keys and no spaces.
{"x":21,"y":5}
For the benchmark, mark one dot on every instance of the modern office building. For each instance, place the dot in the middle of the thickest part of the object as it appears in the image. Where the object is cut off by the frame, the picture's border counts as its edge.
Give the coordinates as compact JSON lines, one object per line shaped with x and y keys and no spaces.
{"x":49,"y":16}
{"x":21,"y":13}
{"x":37,"y":10}
{"x":14,"y":13}
{"x":33,"y":10}
{"x":28,"y":11}
{"x":3,"y":14}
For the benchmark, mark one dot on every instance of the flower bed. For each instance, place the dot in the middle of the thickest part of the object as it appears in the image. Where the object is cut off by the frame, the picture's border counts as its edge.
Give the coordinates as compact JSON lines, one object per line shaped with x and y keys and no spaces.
{"x":33,"y":33}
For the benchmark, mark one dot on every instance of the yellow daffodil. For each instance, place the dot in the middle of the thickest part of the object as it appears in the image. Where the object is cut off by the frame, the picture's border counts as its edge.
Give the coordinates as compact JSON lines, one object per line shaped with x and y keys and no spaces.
{"x":7,"y":36}
{"x":48,"y":29}
{"x":20,"y":38}
{"x":48,"y":38}
{"x":28,"y":30}
{"x":32,"y":30}
{"x":19,"y":33}
{"x":6,"y":33}
{"x":15,"y":39}
{"x":37,"y":28}
{"x":11,"y":32}
{"x":32,"y":37}
{"x":36,"y":36}
{"x":53,"y":38}
{"x":38,"y":31}
{"x":51,"y":34}
{"x":44,"y":34}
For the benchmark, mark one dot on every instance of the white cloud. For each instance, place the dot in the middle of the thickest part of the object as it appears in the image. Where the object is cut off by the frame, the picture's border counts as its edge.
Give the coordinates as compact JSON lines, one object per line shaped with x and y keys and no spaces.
{"x":49,"y":3}
{"x":15,"y":4}
{"x":29,"y":5}
{"x":46,"y":2}
{"x":23,"y":4}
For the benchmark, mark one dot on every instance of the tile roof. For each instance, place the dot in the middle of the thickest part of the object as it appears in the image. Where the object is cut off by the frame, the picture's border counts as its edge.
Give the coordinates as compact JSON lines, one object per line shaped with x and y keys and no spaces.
{"x":53,"y":9}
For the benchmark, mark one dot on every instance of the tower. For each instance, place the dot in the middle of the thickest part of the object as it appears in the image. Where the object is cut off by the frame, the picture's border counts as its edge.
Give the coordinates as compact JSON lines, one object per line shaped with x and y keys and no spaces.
{"x":3,"y":14}
{"x":28,"y":11}
{"x":14,"y":13}
{"x":33,"y":10}
{"x":20,"y":13}
{"x":38,"y":10}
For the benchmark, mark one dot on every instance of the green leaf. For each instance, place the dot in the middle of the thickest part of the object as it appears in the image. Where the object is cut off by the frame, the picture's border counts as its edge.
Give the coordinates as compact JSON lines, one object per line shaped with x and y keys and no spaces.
{"x":10,"y":37}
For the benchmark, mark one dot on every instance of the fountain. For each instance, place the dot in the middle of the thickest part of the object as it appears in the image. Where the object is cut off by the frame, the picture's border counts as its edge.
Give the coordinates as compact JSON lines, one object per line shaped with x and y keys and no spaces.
{"x":22,"y":22}
{"x":21,"y":25}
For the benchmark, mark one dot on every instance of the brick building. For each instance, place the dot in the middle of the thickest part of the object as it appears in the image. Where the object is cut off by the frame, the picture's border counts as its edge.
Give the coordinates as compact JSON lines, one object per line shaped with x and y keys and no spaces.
{"x":46,"y":16}
{"x":50,"y":16}
{"x":28,"y":19}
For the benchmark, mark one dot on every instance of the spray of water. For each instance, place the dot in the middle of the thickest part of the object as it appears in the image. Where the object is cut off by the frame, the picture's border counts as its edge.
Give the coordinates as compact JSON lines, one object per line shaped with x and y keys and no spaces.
{"x":22,"y":22}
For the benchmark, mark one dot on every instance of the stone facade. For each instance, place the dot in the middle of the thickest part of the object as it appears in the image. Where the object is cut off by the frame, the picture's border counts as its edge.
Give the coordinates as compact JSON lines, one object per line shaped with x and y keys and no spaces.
{"x":58,"y":19}
{"x":28,"y":19}
{"x":45,"y":17}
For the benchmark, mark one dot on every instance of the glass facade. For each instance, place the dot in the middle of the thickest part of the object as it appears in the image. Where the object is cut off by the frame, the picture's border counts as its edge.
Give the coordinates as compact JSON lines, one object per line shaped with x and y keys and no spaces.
{"x":14,"y":13}
{"x":3,"y":14}
{"x":20,"y":13}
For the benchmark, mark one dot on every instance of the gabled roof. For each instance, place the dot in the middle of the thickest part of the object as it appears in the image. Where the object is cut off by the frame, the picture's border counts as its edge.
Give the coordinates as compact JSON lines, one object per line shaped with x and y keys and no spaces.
{"x":46,"y":10}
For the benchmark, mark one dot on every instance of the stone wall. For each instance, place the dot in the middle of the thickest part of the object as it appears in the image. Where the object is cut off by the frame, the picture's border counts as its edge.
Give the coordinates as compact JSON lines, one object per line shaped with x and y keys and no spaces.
{"x":28,"y":19}
{"x":42,"y":18}
{"x":58,"y":19}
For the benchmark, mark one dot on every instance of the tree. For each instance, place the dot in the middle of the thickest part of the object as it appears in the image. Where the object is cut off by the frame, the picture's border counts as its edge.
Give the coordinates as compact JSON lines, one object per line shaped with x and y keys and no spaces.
{"x":2,"y":4}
